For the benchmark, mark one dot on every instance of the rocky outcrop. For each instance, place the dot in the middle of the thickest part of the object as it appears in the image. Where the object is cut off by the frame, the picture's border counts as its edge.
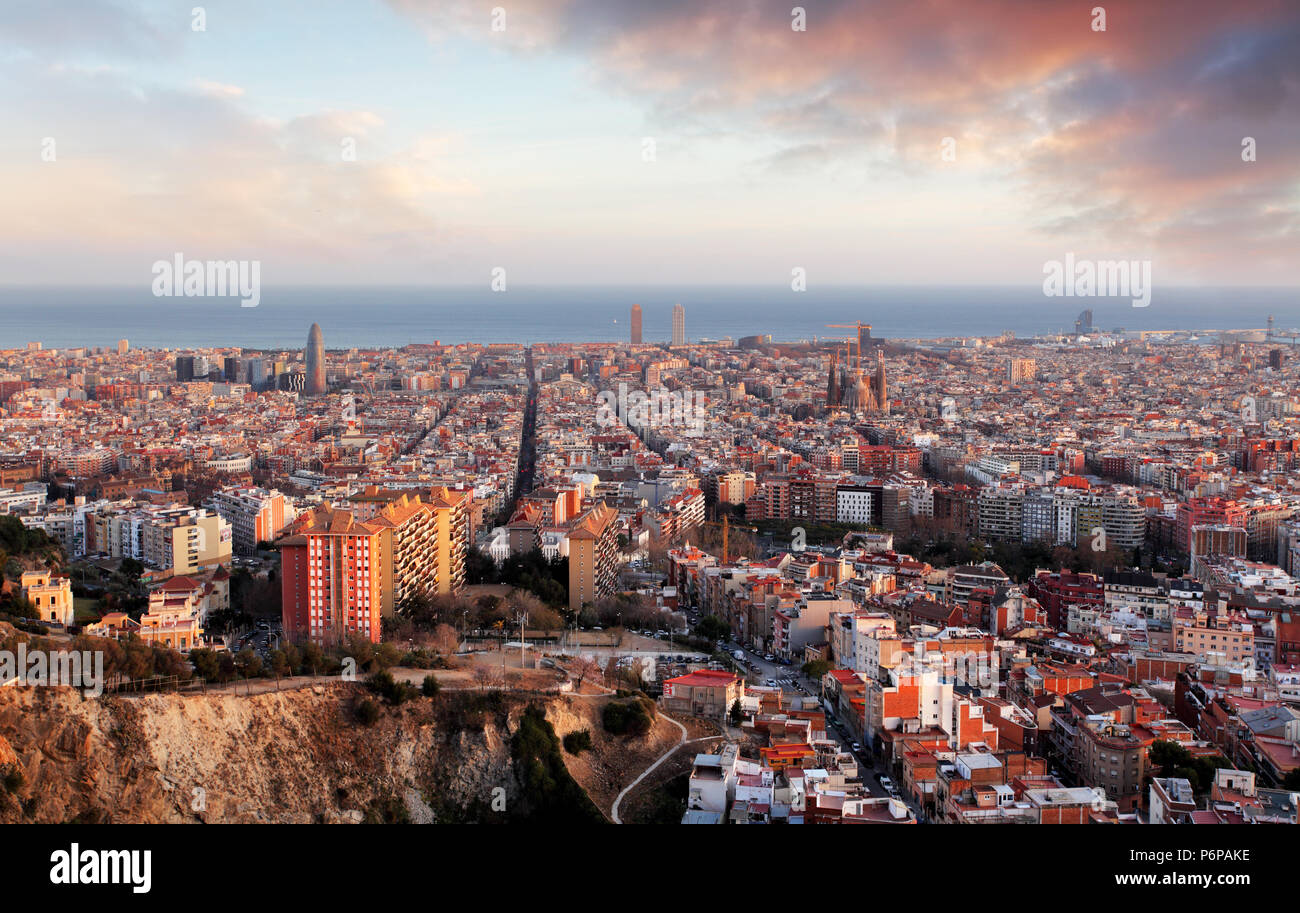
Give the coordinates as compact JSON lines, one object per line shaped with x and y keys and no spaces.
{"x":293,"y":756}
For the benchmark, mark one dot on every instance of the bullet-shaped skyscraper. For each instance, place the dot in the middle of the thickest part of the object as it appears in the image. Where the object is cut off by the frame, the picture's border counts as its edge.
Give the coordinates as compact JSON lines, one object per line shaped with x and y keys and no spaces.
{"x":315,"y":358}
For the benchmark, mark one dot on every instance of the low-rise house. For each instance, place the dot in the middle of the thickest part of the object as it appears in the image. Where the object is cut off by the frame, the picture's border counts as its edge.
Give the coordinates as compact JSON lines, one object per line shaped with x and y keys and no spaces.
{"x":52,"y":596}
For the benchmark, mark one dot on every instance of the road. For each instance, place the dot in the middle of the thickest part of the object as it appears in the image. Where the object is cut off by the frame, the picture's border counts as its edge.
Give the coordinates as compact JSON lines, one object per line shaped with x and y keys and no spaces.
{"x":800,"y":684}
{"x":681,"y":740}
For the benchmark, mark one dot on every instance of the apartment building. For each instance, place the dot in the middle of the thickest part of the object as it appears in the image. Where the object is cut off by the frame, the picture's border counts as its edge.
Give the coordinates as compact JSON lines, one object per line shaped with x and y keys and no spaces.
{"x":593,"y":556}
{"x":1001,"y":513}
{"x":853,"y":504}
{"x":424,"y":538}
{"x":333,"y":577}
{"x":185,"y":540}
{"x":1216,"y":638}
{"x":1056,"y":591}
{"x":254,"y":514}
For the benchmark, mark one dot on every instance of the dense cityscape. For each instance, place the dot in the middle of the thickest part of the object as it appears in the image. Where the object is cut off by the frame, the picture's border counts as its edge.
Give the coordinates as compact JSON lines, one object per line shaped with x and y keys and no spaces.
{"x":552,"y":414}
{"x":965,"y":580}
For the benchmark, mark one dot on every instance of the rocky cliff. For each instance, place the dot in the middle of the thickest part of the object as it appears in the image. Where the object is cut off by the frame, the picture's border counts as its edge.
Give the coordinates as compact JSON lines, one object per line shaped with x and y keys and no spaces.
{"x":293,"y":756}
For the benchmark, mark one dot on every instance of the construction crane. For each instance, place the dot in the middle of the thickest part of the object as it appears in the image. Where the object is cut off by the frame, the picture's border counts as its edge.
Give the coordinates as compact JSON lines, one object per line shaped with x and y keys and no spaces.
{"x":725,"y":523}
{"x":726,"y":528}
{"x":859,"y":326}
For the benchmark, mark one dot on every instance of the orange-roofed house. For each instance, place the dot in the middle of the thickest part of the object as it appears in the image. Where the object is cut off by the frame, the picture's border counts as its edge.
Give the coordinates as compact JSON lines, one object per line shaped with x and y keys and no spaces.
{"x":52,"y":596}
{"x":705,"y":692}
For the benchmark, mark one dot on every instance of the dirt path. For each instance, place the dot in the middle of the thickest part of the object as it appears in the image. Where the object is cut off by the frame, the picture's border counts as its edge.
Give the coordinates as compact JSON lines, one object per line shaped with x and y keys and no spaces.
{"x":682,"y":740}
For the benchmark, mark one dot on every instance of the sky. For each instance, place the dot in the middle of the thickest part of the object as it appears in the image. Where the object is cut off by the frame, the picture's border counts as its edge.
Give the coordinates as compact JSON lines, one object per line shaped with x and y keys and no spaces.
{"x":579,"y":142}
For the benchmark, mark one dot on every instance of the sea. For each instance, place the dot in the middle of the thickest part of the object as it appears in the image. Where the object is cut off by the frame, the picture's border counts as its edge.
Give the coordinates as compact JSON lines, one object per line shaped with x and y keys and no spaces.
{"x":378,"y":316}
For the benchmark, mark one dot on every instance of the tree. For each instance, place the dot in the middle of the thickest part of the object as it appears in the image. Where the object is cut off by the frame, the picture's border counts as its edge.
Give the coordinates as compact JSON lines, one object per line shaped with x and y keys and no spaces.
{"x":484,"y":677}
{"x":367,"y":712}
{"x":737,"y":713}
{"x":293,"y":657}
{"x":578,"y":741}
{"x":431,"y":686}
{"x":582,"y":668}
{"x":816,"y":668}
{"x":1170,"y":759}
{"x":713,"y":627}
{"x":279,"y":663}
{"x":138,"y":660}
{"x":445,"y":639}
{"x":249,"y":663}
{"x":630,"y":670}
{"x":363,"y":651}
{"x":631,"y":717}
{"x":313,"y":657}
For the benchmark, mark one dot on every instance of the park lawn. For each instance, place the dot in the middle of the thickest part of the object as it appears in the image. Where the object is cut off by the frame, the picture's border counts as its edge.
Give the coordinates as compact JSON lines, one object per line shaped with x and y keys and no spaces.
{"x":85,"y":609}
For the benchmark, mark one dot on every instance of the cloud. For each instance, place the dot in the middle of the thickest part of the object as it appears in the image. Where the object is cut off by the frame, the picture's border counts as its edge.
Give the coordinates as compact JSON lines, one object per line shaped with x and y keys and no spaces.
{"x":217,"y":89}
{"x":1130,"y":137}
{"x":99,"y":26}
{"x":141,"y":173}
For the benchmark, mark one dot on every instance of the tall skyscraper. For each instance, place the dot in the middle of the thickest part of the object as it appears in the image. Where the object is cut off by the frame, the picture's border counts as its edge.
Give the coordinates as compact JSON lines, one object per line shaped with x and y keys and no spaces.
{"x":255,"y":372}
{"x":315,"y":358}
{"x":636,"y":324}
{"x":679,"y":325}
{"x":882,"y":388}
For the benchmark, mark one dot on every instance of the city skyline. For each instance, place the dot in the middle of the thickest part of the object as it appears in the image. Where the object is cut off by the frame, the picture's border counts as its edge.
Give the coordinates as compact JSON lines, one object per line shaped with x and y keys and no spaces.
{"x":359,"y":464}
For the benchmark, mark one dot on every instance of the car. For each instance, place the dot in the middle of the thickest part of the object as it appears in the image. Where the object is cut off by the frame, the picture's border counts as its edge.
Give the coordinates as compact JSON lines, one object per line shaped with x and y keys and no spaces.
{"x":856,"y":747}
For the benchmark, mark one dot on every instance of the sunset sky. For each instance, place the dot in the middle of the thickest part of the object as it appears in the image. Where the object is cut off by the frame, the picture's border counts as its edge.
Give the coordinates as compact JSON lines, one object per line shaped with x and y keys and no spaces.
{"x":774,"y":149}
